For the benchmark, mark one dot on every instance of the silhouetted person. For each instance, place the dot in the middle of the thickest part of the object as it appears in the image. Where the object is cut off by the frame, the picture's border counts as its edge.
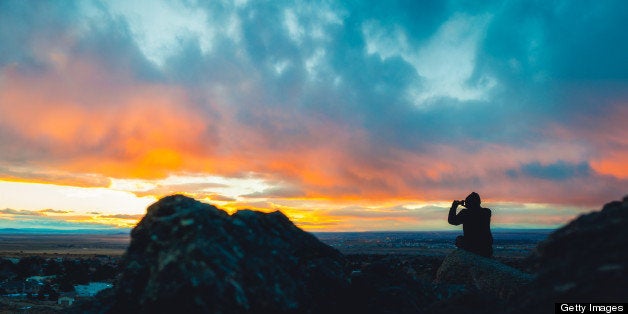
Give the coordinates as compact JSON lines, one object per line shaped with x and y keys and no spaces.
{"x":476,"y":225}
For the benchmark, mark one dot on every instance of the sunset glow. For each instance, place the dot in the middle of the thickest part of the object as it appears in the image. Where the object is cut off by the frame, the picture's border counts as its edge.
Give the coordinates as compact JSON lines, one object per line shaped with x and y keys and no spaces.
{"x":343,"y":116}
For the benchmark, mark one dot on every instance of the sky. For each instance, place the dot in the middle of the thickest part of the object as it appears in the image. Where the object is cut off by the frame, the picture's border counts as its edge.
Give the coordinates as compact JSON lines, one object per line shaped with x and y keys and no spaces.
{"x":344,"y":115}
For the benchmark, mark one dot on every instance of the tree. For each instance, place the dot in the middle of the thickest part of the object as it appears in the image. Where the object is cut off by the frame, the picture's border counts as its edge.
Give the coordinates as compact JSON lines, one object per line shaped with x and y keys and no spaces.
{"x":76,"y":271}
{"x":46,"y":289}
{"x":105,"y":272}
{"x":52,"y":267}
{"x":29,"y":266}
{"x":7,"y":269}
{"x":53,"y":296}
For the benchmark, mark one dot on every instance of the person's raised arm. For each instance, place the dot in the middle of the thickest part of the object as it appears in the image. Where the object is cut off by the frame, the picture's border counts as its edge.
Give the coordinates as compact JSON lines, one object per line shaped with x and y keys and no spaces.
{"x":454,"y":219}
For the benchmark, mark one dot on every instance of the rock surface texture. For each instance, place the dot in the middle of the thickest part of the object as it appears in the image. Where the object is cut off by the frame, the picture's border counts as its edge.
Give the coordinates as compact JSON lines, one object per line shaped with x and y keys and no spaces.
{"x":484,"y":274}
{"x":584,"y":261}
{"x":186,"y":256}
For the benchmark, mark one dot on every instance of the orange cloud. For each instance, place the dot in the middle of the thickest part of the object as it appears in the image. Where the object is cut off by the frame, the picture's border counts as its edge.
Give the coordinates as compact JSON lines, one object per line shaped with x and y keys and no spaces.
{"x":79,"y":123}
{"x":611,"y":137}
{"x":23,"y":174}
{"x":607,"y":135}
{"x":139,"y":130}
{"x":614,"y":163}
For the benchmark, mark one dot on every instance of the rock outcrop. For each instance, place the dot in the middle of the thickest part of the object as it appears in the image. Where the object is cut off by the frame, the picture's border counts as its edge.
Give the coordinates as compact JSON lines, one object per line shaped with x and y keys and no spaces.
{"x":389,"y":284}
{"x":186,"y":256}
{"x":584,"y":261}
{"x":484,"y":274}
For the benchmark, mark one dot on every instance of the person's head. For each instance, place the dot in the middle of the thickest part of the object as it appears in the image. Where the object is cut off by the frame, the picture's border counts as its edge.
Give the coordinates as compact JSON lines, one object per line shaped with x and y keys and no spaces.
{"x":473,"y":200}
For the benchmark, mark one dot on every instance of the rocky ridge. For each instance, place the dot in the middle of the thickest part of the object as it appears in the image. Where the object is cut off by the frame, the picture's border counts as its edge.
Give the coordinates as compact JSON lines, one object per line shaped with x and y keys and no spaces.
{"x":190,"y":256}
{"x":185,"y":255}
{"x":584,"y":261}
{"x":484,"y":274}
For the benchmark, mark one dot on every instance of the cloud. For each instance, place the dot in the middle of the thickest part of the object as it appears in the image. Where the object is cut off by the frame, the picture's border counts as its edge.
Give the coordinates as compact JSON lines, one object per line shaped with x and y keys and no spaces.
{"x":167,"y":189}
{"x":220,"y":198}
{"x":55,"y":211}
{"x":277,"y":192}
{"x":158,"y":29}
{"x":558,"y":171}
{"x":445,"y":62}
{"x":20,"y":212}
{"x":363,"y":212}
{"x":24,"y":174}
{"x":88,"y":100}
{"x":338,"y":101}
{"x":111,"y":131}
{"x":14,"y":218}
{"x":123,"y":216}
{"x":39,"y":219}
{"x":605,"y":133}
{"x":53,"y":223}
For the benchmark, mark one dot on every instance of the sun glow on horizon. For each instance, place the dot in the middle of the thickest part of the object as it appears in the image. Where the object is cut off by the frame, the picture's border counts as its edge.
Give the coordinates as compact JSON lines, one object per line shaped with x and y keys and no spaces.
{"x":38,"y":196}
{"x":123,"y":204}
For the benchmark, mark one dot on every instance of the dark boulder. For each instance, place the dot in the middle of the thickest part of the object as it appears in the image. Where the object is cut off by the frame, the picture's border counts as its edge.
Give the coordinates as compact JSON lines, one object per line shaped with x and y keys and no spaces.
{"x":584,"y":261}
{"x":389,"y":284}
{"x":186,"y":256}
{"x":488,"y":276}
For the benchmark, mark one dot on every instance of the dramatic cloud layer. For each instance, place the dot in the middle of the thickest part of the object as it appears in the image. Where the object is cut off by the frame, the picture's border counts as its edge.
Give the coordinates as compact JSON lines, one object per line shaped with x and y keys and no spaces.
{"x":346,"y":115}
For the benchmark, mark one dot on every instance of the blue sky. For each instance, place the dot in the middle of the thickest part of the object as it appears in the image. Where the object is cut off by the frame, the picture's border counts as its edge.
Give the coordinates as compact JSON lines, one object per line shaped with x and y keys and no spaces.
{"x":347,"y":115}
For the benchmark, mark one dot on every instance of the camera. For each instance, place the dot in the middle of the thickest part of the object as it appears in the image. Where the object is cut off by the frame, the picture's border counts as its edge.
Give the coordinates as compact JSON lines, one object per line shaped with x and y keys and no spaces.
{"x":460,"y":202}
